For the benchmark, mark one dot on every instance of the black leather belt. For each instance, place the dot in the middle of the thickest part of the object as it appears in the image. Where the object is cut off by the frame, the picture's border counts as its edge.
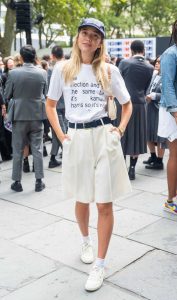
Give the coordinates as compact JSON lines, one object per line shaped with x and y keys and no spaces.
{"x":92,"y":124}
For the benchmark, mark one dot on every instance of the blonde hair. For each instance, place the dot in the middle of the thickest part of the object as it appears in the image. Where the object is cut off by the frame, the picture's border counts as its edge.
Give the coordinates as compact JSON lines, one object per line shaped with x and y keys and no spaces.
{"x":72,"y":67}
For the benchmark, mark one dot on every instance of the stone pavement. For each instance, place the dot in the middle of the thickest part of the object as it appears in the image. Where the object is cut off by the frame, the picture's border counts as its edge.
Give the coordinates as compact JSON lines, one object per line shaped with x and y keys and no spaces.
{"x":40,"y":242}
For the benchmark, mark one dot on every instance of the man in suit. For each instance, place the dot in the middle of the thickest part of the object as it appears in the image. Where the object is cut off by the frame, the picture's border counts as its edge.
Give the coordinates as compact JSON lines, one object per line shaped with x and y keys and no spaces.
{"x":137,"y":73}
{"x":27,"y":86}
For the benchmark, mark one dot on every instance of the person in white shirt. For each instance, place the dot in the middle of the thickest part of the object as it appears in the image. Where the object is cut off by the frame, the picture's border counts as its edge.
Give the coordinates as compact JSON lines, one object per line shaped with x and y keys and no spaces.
{"x":93,"y":164}
{"x":155,"y":143}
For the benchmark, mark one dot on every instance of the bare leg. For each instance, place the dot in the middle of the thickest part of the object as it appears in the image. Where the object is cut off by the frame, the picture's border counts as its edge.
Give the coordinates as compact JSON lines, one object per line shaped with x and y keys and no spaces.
{"x":26,"y":151}
{"x":172,"y":169}
{"x":104,"y":228}
{"x":160,"y":151}
{"x":82,"y":216}
{"x":151,"y":147}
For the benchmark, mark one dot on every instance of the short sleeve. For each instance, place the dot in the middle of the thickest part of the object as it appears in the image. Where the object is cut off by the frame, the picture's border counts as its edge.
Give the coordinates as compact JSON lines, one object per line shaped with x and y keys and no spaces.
{"x":118,"y":87}
{"x":55,"y":87}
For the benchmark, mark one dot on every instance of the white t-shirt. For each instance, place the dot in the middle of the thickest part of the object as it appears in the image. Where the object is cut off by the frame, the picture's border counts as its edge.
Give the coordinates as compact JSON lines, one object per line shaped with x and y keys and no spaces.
{"x":84,"y":98}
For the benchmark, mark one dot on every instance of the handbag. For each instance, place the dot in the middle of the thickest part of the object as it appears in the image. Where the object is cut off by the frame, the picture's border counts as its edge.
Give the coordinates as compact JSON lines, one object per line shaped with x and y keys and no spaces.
{"x":111,"y":104}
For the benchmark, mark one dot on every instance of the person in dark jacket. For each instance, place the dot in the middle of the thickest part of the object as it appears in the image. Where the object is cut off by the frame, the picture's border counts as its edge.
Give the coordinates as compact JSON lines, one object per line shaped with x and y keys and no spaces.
{"x":137,"y":74}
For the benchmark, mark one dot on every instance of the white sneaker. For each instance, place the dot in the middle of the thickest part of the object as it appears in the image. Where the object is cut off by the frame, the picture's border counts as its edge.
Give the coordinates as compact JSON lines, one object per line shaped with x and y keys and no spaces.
{"x":95,"y":279}
{"x":87,"y":255}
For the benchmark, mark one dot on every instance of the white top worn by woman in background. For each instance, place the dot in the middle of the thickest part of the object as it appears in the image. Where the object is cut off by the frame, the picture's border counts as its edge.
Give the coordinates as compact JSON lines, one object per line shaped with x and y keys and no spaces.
{"x":93,"y":164}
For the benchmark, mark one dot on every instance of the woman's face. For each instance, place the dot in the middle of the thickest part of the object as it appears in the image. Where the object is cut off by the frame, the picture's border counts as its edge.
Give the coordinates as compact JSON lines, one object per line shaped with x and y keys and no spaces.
{"x":157,"y":65}
{"x":10,"y":64}
{"x":89,"y":40}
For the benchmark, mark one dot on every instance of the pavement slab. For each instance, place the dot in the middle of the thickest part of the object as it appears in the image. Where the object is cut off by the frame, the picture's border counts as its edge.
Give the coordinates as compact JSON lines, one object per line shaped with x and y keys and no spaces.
{"x":161,"y":235}
{"x":19,"y":266}
{"x":64,"y":245}
{"x":149,"y":203}
{"x":17,"y":220}
{"x":65,"y":284}
{"x":158,"y":185}
{"x":29,"y":197}
{"x":154,"y":276}
{"x":40,"y":241}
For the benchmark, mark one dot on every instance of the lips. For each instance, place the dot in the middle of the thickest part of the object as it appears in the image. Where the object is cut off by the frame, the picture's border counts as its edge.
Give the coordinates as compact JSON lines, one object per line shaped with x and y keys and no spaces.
{"x":86,"y":44}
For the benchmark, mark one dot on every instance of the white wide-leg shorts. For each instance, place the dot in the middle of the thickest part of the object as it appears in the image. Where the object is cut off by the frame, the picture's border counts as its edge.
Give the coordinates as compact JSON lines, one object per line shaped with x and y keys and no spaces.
{"x":167,"y":125}
{"x":93,"y":166}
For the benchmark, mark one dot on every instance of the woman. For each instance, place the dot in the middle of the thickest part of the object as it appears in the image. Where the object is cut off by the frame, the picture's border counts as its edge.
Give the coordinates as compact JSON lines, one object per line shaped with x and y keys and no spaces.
{"x":155,"y":161}
{"x":168,"y":116}
{"x":8,"y":65}
{"x":93,"y":162}
{"x":6,"y":135}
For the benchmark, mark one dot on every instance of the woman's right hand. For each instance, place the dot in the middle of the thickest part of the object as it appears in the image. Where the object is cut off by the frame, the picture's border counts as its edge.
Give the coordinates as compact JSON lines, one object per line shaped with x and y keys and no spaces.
{"x":64,"y":137}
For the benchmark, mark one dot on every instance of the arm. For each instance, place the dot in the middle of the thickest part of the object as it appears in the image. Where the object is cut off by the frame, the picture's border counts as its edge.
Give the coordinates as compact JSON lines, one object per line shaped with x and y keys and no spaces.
{"x":168,"y":72}
{"x":125,"y":117}
{"x":53,"y":119}
{"x":45,"y":85}
{"x":120,"y":92}
{"x":8,"y":93}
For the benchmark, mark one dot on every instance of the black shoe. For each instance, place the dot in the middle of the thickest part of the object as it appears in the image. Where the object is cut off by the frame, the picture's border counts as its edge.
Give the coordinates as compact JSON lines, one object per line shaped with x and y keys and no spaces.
{"x":54,"y":163}
{"x":39,"y":186}
{"x":155,"y":166}
{"x":7,"y":158}
{"x":16,"y":186}
{"x":47,"y":138}
{"x":45,"y":151}
{"x":149,"y":161}
{"x":26,"y":167}
{"x":131,"y":173}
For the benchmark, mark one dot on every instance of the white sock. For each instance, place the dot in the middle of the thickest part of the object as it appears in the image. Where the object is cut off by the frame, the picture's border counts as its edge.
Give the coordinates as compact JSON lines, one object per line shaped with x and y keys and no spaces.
{"x":100,"y":262}
{"x":86,"y":239}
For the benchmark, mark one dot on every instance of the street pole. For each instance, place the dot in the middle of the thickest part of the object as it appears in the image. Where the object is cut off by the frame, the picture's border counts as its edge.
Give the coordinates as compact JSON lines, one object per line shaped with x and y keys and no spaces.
{"x":28,"y":37}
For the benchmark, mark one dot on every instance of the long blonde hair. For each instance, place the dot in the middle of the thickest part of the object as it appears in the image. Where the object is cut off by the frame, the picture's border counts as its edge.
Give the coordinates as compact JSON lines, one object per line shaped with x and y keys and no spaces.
{"x":72,"y":67}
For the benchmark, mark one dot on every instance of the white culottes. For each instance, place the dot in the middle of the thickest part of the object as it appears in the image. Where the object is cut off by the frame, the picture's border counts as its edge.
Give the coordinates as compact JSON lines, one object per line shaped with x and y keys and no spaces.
{"x":167,"y":125}
{"x":93,"y":167}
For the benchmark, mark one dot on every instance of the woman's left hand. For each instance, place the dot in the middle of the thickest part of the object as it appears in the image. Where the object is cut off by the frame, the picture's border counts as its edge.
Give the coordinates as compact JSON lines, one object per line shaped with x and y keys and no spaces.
{"x":116,"y":129}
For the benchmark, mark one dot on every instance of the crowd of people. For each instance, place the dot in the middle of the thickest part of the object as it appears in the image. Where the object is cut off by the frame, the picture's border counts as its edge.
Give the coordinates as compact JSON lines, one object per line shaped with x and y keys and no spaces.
{"x":64,"y":101}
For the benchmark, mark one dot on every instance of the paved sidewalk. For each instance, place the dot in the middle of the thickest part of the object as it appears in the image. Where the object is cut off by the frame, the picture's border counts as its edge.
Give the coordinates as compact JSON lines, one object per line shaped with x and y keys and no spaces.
{"x":40,"y":242}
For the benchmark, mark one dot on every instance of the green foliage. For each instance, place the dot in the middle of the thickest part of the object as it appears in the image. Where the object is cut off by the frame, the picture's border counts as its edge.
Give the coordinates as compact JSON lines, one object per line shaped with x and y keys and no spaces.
{"x":122,"y":18}
{"x":65,"y":13}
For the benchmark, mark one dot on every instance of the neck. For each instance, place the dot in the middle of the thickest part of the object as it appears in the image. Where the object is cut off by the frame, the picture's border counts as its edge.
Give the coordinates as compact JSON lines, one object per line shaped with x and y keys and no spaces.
{"x":137,"y":54}
{"x":87,"y":58}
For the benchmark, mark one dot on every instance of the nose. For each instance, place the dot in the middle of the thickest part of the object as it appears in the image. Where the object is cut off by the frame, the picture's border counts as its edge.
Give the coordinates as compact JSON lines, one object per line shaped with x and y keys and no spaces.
{"x":89,"y":37}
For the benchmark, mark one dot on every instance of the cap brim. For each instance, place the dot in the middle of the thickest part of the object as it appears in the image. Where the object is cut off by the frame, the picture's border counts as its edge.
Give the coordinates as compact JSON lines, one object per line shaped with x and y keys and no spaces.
{"x":94,"y":26}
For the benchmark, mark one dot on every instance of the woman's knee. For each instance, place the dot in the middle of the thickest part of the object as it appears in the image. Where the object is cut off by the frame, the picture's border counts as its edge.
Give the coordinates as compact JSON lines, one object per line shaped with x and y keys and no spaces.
{"x":104,"y":209}
{"x":81,"y":206}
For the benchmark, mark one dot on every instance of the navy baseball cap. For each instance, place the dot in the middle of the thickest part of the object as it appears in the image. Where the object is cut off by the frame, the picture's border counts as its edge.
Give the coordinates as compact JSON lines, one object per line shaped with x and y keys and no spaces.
{"x":91,"y":22}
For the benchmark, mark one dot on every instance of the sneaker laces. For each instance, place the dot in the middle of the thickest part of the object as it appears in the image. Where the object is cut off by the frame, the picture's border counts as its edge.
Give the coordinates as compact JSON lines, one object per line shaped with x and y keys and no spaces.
{"x":86,"y":245}
{"x":95,"y":272}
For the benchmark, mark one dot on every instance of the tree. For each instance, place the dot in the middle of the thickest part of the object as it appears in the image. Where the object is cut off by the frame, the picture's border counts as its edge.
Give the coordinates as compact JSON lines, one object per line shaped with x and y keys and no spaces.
{"x":67,"y":14}
{"x":119,"y":17}
{"x":157,"y":17}
{"x":7,"y":39}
